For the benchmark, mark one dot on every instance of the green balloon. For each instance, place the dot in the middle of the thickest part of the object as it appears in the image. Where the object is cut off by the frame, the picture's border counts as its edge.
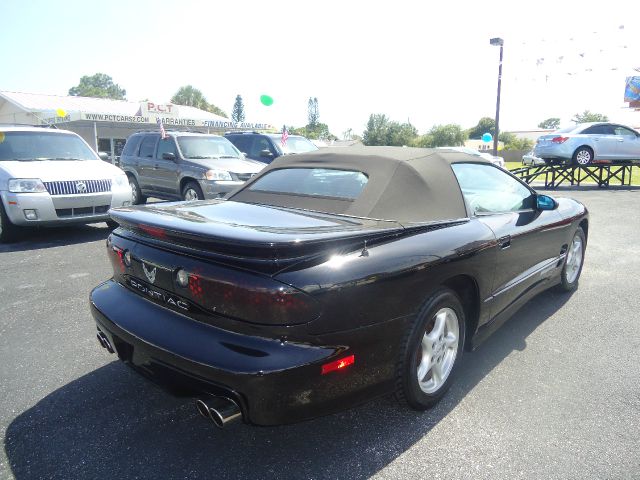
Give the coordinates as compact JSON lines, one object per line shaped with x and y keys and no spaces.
{"x":266,"y":100}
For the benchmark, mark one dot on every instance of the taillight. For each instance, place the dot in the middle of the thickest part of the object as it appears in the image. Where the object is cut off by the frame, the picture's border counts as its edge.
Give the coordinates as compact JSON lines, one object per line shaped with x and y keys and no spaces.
{"x":153,"y":231}
{"x":266,"y":303}
{"x":559,"y":139}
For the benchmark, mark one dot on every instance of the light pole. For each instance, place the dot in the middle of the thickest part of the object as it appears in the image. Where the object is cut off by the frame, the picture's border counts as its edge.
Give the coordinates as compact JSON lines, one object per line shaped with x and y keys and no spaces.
{"x":497,"y":42}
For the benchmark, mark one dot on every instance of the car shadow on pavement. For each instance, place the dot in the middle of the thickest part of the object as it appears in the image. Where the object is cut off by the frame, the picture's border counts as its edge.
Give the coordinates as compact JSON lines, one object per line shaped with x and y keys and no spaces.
{"x":40,"y":238}
{"x":111,"y":423}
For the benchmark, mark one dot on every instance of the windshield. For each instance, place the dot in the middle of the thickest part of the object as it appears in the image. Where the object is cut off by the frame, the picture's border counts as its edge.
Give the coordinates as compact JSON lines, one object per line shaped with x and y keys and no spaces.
{"x":207,"y":147}
{"x":297,"y":145}
{"x":31,"y":146}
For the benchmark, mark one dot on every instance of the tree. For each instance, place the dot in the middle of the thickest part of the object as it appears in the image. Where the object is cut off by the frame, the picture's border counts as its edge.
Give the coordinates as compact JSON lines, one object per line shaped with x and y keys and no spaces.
{"x":237,"y":114}
{"x":485,"y":125}
{"x":382,"y":131}
{"x":192,"y":97}
{"x":313,"y":112}
{"x":588,"y":116}
{"x":99,"y":85}
{"x":550,"y":123}
{"x":443,"y":136}
{"x":512,"y":142}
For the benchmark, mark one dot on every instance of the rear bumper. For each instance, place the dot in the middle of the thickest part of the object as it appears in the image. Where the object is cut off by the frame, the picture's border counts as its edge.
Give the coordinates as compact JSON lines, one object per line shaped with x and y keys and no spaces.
{"x":274,"y":382}
{"x":562,"y":152}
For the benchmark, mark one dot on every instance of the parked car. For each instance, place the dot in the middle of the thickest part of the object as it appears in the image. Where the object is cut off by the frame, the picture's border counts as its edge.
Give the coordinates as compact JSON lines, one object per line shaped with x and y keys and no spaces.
{"x":266,"y":147}
{"x":585,"y":143}
{"x":530,"y":159}
{"x":183,"y":166}
{"x":496,"y":160}
{"x":330,"y":278}
{"x":52,"y":177}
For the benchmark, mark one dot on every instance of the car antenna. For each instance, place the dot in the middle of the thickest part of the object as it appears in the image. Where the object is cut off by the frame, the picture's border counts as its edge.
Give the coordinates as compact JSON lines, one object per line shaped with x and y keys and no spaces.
{"x":364,"y":252}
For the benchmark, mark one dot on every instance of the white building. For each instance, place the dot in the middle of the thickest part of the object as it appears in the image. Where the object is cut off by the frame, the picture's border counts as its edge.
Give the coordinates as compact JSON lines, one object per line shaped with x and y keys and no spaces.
{"x":105,"y":124}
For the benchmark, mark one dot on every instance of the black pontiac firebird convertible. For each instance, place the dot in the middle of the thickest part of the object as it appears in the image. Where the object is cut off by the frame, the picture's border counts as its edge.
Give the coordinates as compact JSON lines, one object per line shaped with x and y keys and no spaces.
{"x":330,"y":278}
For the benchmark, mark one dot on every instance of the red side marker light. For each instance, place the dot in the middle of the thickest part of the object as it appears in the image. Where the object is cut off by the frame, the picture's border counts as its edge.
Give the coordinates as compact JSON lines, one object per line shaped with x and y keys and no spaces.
{"x":338,"y":364}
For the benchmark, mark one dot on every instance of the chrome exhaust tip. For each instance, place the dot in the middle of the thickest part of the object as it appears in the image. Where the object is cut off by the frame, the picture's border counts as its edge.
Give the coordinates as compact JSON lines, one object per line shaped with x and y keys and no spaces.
{"x":220,"y":410}
{"x":104,"y":342}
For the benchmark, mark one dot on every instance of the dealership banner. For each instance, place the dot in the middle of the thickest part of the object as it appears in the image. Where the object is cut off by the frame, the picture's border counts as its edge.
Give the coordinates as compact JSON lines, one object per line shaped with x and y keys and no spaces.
{"x":51,"y":118}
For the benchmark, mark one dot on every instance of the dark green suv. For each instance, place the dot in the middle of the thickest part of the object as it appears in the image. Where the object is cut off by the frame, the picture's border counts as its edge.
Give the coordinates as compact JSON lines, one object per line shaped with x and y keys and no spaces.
{"x":266,"y":147}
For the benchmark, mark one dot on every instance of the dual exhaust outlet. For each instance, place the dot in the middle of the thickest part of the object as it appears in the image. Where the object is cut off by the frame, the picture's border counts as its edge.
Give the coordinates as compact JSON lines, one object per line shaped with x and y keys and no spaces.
{"x":220,"y":410}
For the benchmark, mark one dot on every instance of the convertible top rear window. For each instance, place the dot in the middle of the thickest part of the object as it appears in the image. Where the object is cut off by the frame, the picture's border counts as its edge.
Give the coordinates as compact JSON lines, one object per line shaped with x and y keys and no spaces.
{"x":315,"y":182}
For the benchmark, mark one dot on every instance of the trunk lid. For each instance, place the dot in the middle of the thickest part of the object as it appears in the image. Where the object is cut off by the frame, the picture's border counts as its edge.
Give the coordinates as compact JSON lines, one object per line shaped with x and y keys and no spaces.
{"x":263,"y":237}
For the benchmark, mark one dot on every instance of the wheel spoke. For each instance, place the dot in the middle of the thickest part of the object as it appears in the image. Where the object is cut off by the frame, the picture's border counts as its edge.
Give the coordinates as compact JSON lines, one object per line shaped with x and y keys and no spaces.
{"x":436,"y":374}
{"x":423,"y":367}
{"x":451,"y":340}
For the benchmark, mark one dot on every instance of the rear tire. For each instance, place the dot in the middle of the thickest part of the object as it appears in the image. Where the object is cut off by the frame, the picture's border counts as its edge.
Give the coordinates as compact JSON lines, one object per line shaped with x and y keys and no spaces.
{"x":192,"y":191}
{"x":431,"y":351}
{"x":136,"y":195}
{"x":8,"y":231}
{"x":583,"y":156}
{"x":574,"y":260}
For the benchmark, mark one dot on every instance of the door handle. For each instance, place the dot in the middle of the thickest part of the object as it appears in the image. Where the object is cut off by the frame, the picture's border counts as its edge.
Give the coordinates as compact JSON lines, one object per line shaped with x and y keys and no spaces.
{"x":504,"y":242}
{"x":156,"y":166}
{"x":621,"y":139}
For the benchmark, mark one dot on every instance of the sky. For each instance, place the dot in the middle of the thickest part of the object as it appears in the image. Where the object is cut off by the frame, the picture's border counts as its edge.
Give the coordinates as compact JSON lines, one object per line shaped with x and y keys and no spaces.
{"x":424,"y":62}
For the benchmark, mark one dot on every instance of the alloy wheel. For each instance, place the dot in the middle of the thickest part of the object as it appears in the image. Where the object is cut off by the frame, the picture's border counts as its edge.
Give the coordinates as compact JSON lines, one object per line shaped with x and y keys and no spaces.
{"x":437,"y":352}
{"x":134,"y":192}
{"x":583,"y":157}
{"x":190,"y":194}
{"x":574,"y":259}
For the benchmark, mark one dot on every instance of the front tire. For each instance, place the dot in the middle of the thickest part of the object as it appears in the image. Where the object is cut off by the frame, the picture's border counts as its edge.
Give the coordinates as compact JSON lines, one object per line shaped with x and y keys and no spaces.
{"x":432,"y":351}
{"x":136,"y":195}
{"x":192,"y":191}
{"x":573,"y":263}
{"x":583,"y":156}
{"x":8,"y":231}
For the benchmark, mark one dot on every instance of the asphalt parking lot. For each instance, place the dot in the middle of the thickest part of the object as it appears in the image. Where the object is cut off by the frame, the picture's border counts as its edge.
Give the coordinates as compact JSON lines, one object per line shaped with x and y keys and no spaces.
{"x":555,"y":393}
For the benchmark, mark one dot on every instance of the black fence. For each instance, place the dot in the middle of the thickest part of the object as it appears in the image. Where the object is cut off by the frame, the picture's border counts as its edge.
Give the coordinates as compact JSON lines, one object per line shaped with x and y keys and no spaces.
{"x":602,"y":175}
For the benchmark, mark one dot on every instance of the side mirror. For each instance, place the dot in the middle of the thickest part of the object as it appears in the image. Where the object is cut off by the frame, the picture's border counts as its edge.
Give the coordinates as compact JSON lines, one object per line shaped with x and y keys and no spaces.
{"x":103,"y":156}
{"x":545,"y":202}
{"x":169,"y":156}
{"x":266,"y":153}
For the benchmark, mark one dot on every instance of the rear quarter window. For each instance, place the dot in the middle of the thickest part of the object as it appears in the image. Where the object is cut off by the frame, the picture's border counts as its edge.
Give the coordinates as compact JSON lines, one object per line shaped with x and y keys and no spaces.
{"x":131,"y":147}
{"x":313,"y":182}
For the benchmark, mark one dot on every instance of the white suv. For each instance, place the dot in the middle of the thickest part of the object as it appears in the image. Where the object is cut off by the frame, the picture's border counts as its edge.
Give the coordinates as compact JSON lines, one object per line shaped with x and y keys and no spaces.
{"x":52,"y":177}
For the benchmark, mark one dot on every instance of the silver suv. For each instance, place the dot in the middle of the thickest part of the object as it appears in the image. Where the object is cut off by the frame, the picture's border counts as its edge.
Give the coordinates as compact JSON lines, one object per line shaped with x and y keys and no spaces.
{"x":184,"y":166}
{"x":52,"y":177}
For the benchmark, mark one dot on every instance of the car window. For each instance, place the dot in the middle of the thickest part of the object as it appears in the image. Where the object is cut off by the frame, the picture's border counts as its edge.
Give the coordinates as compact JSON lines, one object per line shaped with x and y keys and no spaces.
{"x":298,"y":145}
{"x":316,"y":182}
{"x":148,"y":145}
{"x":241,"y":142}
{"x":624,"y":132}
{"x":599,"y":130}
{"x":166,"y":146}
{"x":30,"y":146}
{"x":131,"y":147}
{"x":206,"y":146}
{"x":259,"y":144}
{"x":488,"y":189}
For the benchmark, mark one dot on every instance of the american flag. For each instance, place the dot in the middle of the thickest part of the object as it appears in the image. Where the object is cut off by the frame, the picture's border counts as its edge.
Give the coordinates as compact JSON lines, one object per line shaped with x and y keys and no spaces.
{"x":163,"y":132}
{"x":285,"y":135}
